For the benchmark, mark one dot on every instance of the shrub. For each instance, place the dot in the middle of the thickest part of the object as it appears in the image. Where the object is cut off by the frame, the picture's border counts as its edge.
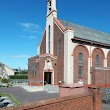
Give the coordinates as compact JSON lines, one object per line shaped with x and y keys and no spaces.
{"x":5,"y":80}
{"x":18,"y":77}
{"x":8,"y":85}
{"x":0,"y":79}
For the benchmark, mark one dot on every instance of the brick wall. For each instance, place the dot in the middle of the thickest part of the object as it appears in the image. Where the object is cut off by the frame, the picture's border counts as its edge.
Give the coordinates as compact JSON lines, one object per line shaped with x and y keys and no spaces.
{"x":97,"y":101}
{"x":43,"y":44}
{"x":87,"y":101}
{"x":30,"y":62}
{"x":80,"y":102}
{"x":100,"y":76}
{"x":83,"y":50}
{"x":60,"y":64}
{"x":34,"y":80}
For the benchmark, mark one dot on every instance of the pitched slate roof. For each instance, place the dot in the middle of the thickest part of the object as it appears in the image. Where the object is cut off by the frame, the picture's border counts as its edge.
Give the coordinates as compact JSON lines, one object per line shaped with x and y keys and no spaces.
{"x":87,"y":33}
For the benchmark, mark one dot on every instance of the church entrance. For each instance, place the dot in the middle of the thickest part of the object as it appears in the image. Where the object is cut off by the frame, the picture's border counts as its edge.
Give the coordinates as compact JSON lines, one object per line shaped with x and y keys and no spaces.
{"x":47,"y":77}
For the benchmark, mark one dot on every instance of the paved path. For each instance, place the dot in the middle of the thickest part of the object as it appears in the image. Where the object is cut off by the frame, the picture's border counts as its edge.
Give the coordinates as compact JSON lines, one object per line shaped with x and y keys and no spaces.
{"x":24,"y":96}
{"x":105,"y":107}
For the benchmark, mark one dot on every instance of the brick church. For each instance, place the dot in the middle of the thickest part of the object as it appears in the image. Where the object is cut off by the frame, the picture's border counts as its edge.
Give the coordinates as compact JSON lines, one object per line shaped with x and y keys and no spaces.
{"x":67,"y":52}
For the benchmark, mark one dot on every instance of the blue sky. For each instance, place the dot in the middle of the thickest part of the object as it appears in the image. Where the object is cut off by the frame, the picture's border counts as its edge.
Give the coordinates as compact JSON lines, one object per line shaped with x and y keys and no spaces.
{"x":22,"y":23}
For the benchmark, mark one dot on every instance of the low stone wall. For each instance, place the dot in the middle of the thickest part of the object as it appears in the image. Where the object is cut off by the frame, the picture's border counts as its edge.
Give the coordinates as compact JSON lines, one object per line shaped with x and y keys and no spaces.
{"x":79,"y":102}
{"x":100,"y":76}
{"x":32,"y":83}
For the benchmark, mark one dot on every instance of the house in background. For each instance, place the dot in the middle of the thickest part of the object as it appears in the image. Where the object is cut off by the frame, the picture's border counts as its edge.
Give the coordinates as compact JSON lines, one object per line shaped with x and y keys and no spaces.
{"x":5,"y":71}
{"x":67,"y":51}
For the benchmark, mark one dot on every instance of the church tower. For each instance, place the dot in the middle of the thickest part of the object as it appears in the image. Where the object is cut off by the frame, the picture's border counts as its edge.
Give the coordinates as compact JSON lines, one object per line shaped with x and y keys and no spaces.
{"x":51,"y":13}
{"x":51,"y":7}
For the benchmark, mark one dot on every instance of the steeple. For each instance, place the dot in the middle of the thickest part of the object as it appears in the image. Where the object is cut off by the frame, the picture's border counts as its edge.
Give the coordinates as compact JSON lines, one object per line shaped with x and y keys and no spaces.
{"x":51,"y":13}
{"x":51,"y":8}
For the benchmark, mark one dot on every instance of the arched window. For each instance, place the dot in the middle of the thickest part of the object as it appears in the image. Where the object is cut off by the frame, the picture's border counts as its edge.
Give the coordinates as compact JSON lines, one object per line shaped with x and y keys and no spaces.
{"x":49,"y":39}
{"x":33,"y":69}
{"x":59,"y":45}
{"x":80,"y":61}
{"x":97,"y":60}
{"x":80,"y":58}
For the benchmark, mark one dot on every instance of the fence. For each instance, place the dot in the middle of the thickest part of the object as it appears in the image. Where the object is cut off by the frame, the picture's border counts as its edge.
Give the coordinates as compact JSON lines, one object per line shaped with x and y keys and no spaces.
{"x":19,"y":81}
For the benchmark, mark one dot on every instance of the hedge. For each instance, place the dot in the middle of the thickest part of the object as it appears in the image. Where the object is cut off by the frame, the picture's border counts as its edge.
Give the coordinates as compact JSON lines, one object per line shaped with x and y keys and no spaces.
{"x":18,"y":77}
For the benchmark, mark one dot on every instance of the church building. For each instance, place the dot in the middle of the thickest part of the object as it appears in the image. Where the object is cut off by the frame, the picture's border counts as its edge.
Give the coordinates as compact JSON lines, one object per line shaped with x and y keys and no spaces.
{"x":67,"y":52}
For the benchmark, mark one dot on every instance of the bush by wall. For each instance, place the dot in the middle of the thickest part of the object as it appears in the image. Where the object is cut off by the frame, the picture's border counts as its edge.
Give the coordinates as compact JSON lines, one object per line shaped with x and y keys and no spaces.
{"x":18,"y":77}
{"x":5,"y":80}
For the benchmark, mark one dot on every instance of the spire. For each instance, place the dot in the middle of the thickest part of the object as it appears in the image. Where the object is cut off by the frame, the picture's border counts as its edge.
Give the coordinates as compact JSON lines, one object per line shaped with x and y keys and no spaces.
{"x":51,"y":13}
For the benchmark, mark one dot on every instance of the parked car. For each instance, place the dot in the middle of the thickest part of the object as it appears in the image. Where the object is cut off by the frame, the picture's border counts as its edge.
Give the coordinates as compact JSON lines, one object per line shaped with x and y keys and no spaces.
{"x":5,"y":100}
{"x":1,"y":100}
{"x":4,"y":104}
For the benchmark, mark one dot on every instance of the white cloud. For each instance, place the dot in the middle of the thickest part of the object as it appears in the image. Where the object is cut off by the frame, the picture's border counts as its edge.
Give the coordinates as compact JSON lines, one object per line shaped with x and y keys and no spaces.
{"x":19,"y":56}
{"x":30,"y":27}
{"x":32,"y":37}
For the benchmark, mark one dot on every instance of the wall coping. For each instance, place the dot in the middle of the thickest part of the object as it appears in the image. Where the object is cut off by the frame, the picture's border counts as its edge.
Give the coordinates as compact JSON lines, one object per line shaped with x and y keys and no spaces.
{"x":102,"y":68}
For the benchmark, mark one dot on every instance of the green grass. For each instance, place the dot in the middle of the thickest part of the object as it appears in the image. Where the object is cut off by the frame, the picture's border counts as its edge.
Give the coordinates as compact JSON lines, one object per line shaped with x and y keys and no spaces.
{"x":12,"y":98}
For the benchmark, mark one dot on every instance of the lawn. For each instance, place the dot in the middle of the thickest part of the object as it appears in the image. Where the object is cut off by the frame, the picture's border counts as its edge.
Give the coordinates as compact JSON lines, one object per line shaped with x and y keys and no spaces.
{"x":10,"y":97}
